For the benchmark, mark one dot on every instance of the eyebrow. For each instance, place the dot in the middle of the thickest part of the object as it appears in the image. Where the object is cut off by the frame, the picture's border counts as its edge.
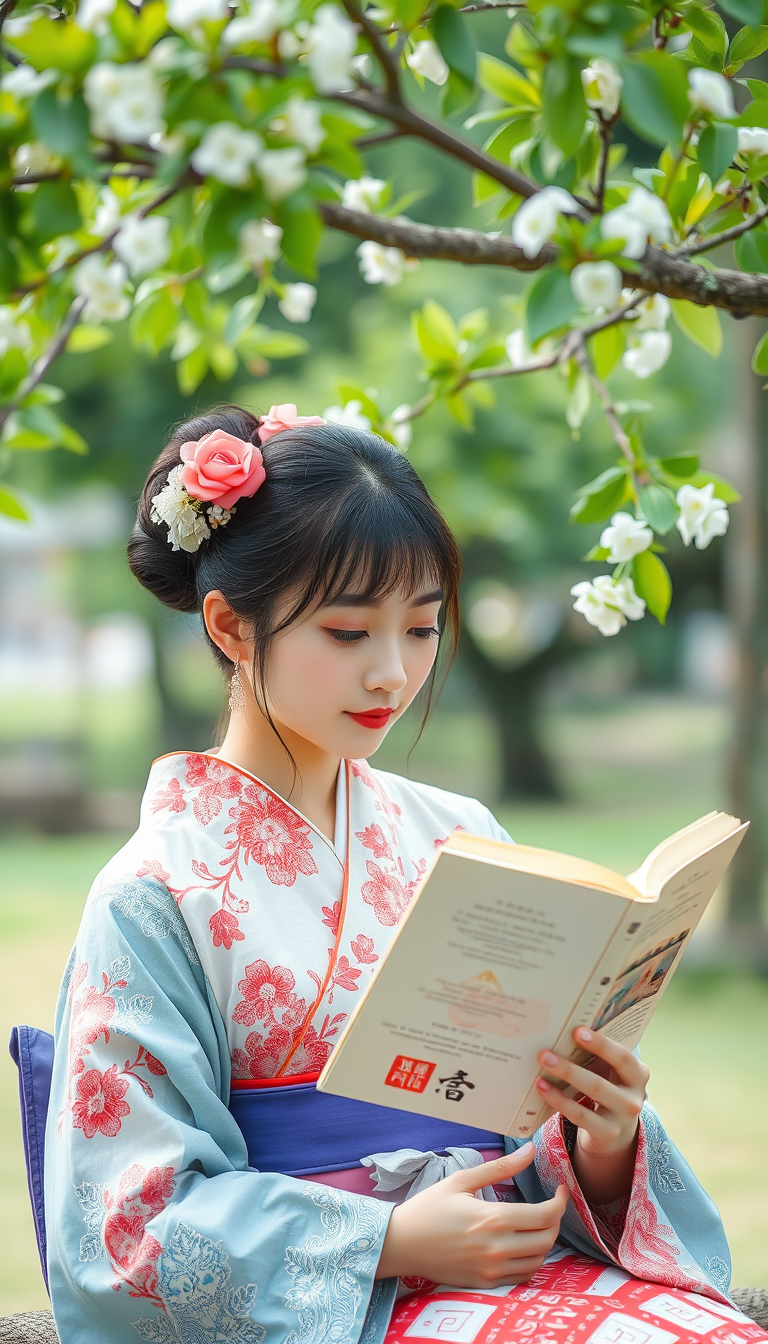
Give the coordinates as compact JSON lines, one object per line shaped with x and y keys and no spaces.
{"x":360,"y":600}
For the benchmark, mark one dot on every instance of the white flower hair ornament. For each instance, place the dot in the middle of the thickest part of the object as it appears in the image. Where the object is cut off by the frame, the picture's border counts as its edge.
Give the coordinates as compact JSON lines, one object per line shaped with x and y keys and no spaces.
{"x":214,"y":473}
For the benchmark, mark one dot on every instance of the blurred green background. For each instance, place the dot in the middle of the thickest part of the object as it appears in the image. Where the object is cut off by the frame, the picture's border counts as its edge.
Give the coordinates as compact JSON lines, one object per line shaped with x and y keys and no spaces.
{"x":599,"y":747}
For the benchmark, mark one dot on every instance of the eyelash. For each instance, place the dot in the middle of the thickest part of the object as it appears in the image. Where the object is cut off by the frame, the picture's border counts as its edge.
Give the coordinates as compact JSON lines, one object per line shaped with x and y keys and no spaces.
{"x":354,"y":636}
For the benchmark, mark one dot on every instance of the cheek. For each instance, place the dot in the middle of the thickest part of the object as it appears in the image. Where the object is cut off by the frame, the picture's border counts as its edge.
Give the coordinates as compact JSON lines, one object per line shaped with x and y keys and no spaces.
{"x":305,"y":674}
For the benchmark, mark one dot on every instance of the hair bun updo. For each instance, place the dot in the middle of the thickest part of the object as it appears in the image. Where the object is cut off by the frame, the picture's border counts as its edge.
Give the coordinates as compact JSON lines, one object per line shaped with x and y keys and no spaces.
{"x":172,"y":575}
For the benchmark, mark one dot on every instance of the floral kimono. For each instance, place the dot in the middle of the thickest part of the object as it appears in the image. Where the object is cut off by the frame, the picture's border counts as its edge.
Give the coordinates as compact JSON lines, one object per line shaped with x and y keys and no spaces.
{"x":223,"y":947}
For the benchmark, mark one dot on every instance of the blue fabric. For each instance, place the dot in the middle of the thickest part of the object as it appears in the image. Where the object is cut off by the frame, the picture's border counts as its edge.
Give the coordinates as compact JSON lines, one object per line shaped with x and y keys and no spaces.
{"x":32,"y":1052}
{"x":299,"y":1131}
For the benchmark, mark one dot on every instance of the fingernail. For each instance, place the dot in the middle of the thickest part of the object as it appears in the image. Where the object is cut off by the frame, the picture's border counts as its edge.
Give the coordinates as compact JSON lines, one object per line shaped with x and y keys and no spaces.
{"x":526,"y":1148}
{"x":543,"y":1086}
{"x":548,"y":1058}
{"x":583,"y":1034}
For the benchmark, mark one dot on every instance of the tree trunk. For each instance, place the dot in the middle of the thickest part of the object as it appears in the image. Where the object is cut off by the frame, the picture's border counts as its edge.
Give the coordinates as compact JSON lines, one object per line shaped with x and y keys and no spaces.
{"x":746,"y":589}
{"x":512,"y":696}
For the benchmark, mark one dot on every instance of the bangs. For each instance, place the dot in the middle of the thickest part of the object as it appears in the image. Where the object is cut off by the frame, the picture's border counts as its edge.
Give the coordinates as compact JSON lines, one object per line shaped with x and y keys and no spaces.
{"x":378,"y":545}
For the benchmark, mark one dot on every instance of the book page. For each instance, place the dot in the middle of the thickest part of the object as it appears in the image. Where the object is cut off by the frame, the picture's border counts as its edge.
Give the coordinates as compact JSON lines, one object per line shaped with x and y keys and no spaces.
{"x":487,"y":967}
{"x":629,"y":981}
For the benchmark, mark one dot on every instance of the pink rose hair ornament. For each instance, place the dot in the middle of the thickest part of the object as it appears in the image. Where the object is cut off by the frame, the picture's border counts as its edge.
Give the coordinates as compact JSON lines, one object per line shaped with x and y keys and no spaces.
{"x":214,"y":473}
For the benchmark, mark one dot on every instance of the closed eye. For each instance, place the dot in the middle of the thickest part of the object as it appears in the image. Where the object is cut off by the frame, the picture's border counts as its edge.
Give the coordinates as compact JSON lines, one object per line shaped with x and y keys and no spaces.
{"x":425,"y":632}
{"x":347,"y":636}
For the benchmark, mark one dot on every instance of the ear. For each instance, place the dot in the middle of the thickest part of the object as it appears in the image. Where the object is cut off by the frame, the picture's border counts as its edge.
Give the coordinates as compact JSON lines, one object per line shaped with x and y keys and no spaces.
{"x":225,"y":628}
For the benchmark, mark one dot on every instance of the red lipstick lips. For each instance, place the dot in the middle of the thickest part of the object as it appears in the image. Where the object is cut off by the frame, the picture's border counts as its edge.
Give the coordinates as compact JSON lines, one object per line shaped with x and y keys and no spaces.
{"x":372,"y":718}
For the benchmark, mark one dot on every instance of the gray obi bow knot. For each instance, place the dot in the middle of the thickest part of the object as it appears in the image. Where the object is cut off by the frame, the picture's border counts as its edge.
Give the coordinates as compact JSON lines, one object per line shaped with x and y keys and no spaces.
{"x":410,"y":1171}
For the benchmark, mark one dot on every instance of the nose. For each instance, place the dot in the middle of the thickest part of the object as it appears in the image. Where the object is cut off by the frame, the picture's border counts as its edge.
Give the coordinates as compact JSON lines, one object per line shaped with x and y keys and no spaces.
{"x":387,"y":672}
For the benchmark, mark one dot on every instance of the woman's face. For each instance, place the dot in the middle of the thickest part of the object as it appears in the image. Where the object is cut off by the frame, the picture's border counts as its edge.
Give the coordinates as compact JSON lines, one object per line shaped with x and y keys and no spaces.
{"x":341,"y":675}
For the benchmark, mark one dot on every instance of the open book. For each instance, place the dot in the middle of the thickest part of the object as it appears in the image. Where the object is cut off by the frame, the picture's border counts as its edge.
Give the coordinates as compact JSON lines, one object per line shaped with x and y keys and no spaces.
{"x":503,"y":951}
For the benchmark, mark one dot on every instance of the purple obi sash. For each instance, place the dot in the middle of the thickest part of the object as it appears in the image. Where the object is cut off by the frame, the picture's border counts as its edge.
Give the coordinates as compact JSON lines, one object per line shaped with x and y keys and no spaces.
{"x":299,"y":1131}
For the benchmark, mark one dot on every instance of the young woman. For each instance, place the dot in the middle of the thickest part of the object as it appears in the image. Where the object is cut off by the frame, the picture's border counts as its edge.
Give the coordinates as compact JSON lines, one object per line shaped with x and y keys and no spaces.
{"x":198,"y":1187}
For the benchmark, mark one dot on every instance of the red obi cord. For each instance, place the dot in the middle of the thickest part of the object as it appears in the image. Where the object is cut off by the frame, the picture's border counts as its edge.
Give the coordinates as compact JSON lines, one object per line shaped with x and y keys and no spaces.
{"x":289,"y":1080}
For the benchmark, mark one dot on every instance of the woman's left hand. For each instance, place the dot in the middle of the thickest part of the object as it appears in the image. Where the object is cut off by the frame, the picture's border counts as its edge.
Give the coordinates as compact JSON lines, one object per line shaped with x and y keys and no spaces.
{"x":610,"y":1094}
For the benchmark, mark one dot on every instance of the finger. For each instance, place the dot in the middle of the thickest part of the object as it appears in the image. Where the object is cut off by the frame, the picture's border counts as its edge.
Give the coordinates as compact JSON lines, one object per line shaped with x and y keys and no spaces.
{"x":631,"y":1070}
{"x":523,"y":1245}
{"x":574,"y":1110}
{"x":499,"y":1169}
{"x":620,"y":1100}
{"x":519,"y":1271}
{"x":535,"y":1217}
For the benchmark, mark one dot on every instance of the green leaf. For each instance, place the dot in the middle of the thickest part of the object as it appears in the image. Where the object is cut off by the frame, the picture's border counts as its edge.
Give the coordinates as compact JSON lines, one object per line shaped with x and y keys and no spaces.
{"x":700,"y":325}
{"x":601,"y":497}
{"x":653,"y":584}
{"x":751,"y":251}
{"x":746,"y":44}
{"x":12,"y":507}
{"x":453,"y":37}
{"x":597,"y":553}
{"x":746,"y":11}
{"x":680,"y":465}
{"x":658,"y":508}
{"x":564,"y":107}
{"x":723,"y":489}
{"x":86,"y":338}
{"x":13,"y":368}
{"x":49,"y":44}
{"x":54,"y":210}
{"x":716,"y":149}
{"x":192,"y":369}
{"x":550,"y":304}
{"x":61,"y":122}
{"x":495,"y":76}
{"x":760,"y":357}
{"x":709,"y":33}
{"x":654,"y":98}
{"x":302,"y":230}
{"x":456,"y":94}
{"x":43,"y":423}
{"x":606,"y":348}
{"x":272,"y":344}
{"x":153,"y":322}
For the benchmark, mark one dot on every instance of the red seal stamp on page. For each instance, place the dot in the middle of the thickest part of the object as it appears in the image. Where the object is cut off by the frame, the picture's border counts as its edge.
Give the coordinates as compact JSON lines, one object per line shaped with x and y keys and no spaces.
{"x":411,"y":1074}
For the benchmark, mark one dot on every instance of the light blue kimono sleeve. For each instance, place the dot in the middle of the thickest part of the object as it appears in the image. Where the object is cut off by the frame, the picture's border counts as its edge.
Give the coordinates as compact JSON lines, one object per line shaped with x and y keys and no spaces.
{"x":666,"y":1231}
{"x":157,"y":1228}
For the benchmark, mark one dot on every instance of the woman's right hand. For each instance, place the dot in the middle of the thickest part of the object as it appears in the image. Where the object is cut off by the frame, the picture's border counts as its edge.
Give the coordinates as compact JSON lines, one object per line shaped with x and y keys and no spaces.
{"x":447,"y":1235}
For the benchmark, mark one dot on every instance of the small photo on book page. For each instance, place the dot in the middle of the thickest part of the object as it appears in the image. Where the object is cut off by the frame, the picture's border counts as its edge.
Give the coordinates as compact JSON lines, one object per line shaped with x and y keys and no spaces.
{"x":642,"y":979}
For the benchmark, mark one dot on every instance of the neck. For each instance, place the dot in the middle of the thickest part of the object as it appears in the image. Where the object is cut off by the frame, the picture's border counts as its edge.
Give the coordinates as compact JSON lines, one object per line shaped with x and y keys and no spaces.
{"x":252,"y":743}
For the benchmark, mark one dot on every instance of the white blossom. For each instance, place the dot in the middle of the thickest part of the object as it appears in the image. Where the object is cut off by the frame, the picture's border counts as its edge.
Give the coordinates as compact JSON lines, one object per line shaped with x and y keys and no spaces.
{"x":302,"y":122}
{"x":92,"y":13}
{"x":350,"y":415}
{"x":602,"y":86}
{"x":24,"y":82}
{"x":364,"y":194}
{"x":426,"y":60}
{"x":331,"y":43}
{"x":228,"y":153}
{"x":607,"y":603}
{"x":649,"y":354}
{"x":262,"y":23}
{"x":126,"y":101}
{"x":536,"y":220}
{"x":401,"y":426}
{"x":519,"y":352}
{"x":260,"y":242}
{"x":653,"y":313}
{"x":289,"y":45}
{"x":362,"y":65}
{"x":33,"y":157}
{"x":102,"y":283}
{"x":643,"y":217}
{"x":143,"y":244}
{"x":752,"y":140}
{"x":282,"y":171}
{"x":381,"y":265}
{"x":185,"y":14}
{"x":187,"y":526}
{"x":14,"y":333}
{"x":596,"y":285}
{"x":107,"y":217}
{"x":626,"y":537}
{"x":702,"y":517}
{"x":297,"y":302}
{"x":710,"y":92}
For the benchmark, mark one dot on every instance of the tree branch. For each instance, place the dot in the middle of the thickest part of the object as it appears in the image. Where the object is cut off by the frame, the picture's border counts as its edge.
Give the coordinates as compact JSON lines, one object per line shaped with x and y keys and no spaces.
{"x":581,"y":355}
{"x":379,"y":49}
{"x":412,"y":123}
{"x":727,"y":235}
{"x":661,"y":271}
{"x":606,"y":138}
{"x":43,"y":364}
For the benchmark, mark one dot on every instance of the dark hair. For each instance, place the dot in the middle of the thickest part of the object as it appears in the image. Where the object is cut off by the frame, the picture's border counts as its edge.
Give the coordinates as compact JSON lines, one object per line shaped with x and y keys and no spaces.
{"x":338,"y":506}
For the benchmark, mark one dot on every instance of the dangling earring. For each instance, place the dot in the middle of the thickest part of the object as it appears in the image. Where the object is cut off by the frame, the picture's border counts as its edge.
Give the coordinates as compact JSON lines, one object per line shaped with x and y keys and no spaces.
{"x":236,"y":691}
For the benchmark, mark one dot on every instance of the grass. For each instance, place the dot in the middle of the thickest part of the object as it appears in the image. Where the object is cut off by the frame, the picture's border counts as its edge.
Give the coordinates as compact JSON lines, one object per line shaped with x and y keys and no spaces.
{"x":636,"y":772}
